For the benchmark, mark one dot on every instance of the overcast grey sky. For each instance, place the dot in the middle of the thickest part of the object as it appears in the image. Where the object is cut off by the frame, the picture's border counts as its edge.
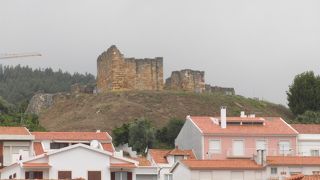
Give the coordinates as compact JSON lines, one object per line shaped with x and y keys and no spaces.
{"x":256,"y":46}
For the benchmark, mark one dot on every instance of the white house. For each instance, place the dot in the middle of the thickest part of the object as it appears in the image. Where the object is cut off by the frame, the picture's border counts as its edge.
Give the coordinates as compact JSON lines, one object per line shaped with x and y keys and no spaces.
{"x":78,"y":161}
{"x":308,"y":139}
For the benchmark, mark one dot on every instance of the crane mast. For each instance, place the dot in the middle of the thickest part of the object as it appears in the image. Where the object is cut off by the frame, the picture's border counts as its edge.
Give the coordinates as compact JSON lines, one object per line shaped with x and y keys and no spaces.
{"x":18,"y":55}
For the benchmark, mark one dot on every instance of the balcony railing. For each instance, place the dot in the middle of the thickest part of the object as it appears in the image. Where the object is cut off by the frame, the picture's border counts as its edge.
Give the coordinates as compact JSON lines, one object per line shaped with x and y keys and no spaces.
{"x":252,"y":152}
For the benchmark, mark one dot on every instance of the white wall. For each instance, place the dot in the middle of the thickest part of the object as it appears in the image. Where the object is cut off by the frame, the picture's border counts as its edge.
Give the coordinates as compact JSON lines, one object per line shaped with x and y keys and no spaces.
{"x":10,"y":171}
{"x":190,"y":138}
{"x":306,"y":170}
{"x":308,"y":142}
{"x":11,"y":151}
{"x":79,"y":160}
{"x":181,"y":172}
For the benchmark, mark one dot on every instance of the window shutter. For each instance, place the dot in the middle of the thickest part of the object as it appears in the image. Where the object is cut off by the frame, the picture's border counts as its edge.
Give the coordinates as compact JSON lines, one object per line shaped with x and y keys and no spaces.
{"x":129,"y":175}
{"x":113,"y":176}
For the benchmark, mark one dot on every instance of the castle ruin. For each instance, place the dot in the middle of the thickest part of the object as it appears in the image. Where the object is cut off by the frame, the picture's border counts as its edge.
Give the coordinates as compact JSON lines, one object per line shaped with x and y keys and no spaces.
{"x":118,"y":73}
{"x":186,"y":80}
{"x":193,"y":81}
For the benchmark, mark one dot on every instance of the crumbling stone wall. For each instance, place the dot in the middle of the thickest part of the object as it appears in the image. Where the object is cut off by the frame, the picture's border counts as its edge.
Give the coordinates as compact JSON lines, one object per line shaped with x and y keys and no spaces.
{"x":118,"y":73}
{"x":186,"y":80}
{"x":217,"y":89}
{"x":80,"y":88}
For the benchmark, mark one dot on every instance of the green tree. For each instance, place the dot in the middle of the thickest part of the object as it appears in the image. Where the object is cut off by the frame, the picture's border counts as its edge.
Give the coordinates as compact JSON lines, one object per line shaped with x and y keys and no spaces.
{"x":141,"y":135}
{"x":121,"y":134}
{"x":309,"y":117}
{"x":304,"y":93}
{"x":169,"y":133}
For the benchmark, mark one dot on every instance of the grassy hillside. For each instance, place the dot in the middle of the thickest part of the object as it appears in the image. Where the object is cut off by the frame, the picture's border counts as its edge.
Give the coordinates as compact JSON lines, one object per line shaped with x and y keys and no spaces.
{"x":106,"y":111}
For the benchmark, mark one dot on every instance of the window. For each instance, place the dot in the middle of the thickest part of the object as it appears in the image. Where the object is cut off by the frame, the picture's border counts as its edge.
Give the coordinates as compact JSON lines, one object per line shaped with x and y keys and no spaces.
{"x":58,"y":145}
{"x":64,"y":175}
{"x":215,"y":146}
{"x":316,"y":172}
{"x":34,"y":175}
{"x":238,"y":148}
{"x":14,"y":175}
{"x":178,"y":158}
{"x":314,"y":152}
{"x":168,"y":177}
{"x":284,"y":147}
{"x":274,"y":171}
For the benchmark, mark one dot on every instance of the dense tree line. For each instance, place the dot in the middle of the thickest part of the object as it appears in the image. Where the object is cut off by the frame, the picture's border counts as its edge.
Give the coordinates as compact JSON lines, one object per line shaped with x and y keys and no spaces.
{"x":304,"y":97}
{"x":18,"y":84}
{"x":141,"y":135}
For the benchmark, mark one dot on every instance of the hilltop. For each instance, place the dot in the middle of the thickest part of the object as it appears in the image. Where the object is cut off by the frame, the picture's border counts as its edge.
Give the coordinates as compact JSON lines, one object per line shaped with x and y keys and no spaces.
{"x":87,"y":112}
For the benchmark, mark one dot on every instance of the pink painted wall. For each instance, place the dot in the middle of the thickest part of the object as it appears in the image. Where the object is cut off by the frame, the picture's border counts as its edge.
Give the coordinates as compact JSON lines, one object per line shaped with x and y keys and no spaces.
{"x":249,"y":145}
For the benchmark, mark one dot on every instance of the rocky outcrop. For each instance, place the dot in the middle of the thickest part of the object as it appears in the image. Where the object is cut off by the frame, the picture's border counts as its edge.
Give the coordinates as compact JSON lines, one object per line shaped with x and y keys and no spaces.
{"x":39,"y":103}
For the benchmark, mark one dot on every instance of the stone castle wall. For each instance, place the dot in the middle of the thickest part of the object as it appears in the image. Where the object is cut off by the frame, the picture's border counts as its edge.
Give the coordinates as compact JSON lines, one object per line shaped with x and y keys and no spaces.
{"x":186,"y":80}
{"x":118,"y":73}
{"x":217,"y":89}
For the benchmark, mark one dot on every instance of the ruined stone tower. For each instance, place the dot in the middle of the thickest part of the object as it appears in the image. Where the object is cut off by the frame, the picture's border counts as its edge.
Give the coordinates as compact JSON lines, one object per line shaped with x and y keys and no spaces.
{"x":186,"y":80}
{"x":118,"y":73}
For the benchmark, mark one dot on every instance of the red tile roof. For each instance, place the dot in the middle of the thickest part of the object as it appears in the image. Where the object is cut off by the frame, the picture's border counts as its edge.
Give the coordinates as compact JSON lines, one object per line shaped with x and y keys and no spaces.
{"x":293,"y":160}
{"x":36,"y":165}
{"x":234,"y":164}
{"x":159,"y":155}
{"x":123,"y":165}
{"x":108,"y":147}
{"x":4,"y":130}
{"x":72,"y":136}
{"x":180,"y":152}
{"x":312,"y":177}
{"x":307,"y":128}
{"x":272,"y":126}
{"x":142,"y":161}
{"x":303,"y":177}
{"x":38,"y":149}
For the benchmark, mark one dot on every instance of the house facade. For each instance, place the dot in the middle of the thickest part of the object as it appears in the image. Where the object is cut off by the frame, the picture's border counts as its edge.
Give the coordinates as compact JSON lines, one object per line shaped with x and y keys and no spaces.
{"x":224,"y":137}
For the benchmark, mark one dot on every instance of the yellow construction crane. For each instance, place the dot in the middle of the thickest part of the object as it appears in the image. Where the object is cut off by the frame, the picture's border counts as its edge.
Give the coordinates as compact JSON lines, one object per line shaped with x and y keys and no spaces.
{"x":18,"y":55}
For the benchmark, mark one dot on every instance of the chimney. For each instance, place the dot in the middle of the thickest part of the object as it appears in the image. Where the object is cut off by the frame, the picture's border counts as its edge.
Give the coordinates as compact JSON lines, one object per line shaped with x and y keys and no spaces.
{"x":242,"y":114}
{"x":98,"y":131}
{"x":223,"y":118}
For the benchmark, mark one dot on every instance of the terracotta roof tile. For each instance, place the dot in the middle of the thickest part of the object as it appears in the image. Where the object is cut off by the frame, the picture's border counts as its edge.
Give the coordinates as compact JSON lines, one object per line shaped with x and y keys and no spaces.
{"x":36,"y":165}
{"x":122,"y":165}
{"x":4,"y":130}
{"x":303,"y":177}
{"x":293,"y":160}
{"x":76,"y":136}
{"x":38,"y":149}
{"x":143,"y":161}
{"x":181,"y":152}
{"x":307,"y":128}
{"x":108,"y":147}
{"x":159,"y":155}
{"x":272,"y":125}
{"x":234,"y":164}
